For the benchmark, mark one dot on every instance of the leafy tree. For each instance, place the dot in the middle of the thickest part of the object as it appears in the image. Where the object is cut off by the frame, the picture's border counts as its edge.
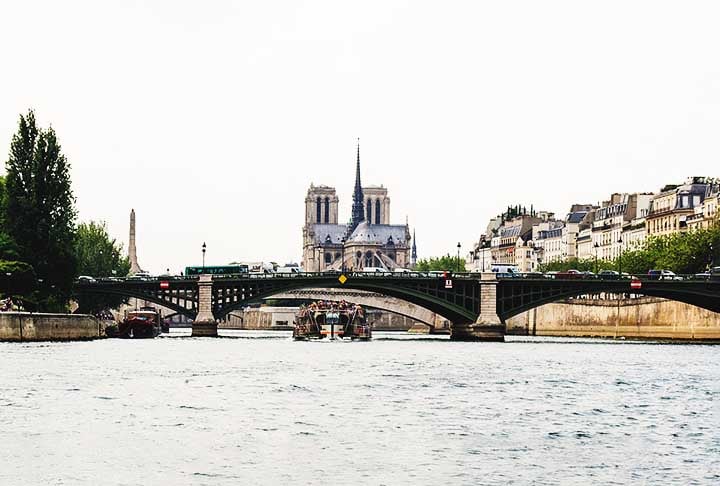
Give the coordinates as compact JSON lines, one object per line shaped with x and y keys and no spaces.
{"x":444,"y":263}
{"x":16,"y":278}
{"x":40,"y":211}
{"x":8,"y":248}
{"x":99,"y":255}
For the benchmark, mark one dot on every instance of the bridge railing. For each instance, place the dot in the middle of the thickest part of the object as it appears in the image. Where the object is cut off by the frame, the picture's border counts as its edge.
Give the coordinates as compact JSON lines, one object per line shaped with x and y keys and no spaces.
{"x":583,"y":276}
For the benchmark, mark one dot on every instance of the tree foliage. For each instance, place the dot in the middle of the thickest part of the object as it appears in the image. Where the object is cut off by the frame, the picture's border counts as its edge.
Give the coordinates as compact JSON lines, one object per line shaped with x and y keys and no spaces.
{"x":444,"y":263}
{"x":40,"y":211}
{"x":16,"y":278}
{"x":686,"y":252}
{"x":99,"y":255}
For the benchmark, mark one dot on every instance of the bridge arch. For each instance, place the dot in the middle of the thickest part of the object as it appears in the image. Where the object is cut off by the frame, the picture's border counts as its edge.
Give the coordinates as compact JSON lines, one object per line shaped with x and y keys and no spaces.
{"x":458,"y":305}
{"x":517,"y":297}
{"x":367,"y":299}
{"x":168,"y":300}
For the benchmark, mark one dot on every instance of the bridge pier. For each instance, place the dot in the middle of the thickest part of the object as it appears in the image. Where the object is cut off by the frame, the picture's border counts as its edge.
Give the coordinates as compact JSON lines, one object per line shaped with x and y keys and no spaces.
{"x":204,"y":324}
{"x":488,"y":326}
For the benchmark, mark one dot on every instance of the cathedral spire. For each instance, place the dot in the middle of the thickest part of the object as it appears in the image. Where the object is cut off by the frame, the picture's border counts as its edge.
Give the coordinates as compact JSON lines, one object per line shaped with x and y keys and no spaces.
{"x":358,"y":207}
{"x":413,"y":255}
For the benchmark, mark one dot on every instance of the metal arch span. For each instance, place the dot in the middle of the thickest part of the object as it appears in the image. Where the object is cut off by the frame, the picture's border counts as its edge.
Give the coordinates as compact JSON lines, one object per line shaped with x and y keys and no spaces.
{"x":181,"y":297}
{"x":516,"y":295}
{"x":459,"y":304}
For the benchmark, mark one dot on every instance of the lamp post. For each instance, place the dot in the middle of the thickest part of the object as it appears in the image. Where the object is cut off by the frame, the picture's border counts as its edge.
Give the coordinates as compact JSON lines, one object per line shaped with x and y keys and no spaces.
{"x":458,"y":258}
{"x":596,"y":246}
{"x":620,"y":258}
{"x":342,"y":264}
{"x":712,"y":257}
{"x":204,"y":247}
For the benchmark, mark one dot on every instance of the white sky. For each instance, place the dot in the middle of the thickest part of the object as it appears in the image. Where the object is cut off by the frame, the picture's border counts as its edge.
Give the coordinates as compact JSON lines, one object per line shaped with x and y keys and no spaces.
{"x":212,"y":118}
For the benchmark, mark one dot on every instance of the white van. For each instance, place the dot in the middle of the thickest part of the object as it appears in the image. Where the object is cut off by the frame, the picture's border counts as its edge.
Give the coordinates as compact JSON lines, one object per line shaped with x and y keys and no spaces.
{"x":290,"y":270}
{"x":374,"y":270}
{"x":505,"y":269}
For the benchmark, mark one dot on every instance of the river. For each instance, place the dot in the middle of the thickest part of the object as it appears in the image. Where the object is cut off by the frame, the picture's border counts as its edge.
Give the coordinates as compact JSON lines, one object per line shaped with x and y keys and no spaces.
{"x":258,"y":408}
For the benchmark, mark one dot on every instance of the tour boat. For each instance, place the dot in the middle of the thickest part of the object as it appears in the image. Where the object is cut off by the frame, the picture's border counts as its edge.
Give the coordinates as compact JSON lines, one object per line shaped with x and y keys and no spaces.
{"x":143,"y":323}
{"x":332,"y":320}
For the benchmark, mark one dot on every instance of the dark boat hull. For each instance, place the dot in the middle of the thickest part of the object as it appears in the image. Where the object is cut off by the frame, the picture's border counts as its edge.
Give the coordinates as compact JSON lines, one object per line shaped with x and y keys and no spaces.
{"x":129,"y":330}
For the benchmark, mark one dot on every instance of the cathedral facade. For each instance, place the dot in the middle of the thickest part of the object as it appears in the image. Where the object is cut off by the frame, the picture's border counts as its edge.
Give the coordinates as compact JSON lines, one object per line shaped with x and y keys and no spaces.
{"x":368,"y":240}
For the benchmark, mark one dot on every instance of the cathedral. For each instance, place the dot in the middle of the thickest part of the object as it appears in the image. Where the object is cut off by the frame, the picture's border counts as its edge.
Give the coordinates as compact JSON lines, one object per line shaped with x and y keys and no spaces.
{"x":368,"y":240}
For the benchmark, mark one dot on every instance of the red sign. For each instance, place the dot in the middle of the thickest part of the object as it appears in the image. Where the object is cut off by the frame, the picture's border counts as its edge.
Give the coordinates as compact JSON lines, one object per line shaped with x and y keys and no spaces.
{"x":164,"y":284}
{"x":635,"y":284}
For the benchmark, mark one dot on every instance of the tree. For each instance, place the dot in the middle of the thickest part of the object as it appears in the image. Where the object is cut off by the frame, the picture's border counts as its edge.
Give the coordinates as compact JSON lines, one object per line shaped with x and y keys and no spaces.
{"x":8,"y":248}
{"x":98,"y":255}
{"x":40,"y":211}
{"x":445,"y":263}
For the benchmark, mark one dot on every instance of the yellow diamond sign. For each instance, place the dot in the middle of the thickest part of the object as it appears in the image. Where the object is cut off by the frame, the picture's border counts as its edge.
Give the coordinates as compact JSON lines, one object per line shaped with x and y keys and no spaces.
{"x":342,"y":279}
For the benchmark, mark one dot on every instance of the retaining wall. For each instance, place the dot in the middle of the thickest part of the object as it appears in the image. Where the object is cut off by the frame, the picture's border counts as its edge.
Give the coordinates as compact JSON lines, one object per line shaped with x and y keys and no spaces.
{"x":26,"y":326}
{"x":645,"y":317}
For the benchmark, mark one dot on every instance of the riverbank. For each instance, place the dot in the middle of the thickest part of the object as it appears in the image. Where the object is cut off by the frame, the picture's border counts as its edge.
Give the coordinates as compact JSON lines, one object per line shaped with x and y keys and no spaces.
{"x":32,"y":326}
{"x":638,"y":318}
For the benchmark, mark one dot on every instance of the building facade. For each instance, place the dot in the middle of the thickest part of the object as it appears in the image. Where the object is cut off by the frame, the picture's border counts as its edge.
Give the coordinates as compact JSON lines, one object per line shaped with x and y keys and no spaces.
{"x":368,"y":240}
{"x":671,"y":208}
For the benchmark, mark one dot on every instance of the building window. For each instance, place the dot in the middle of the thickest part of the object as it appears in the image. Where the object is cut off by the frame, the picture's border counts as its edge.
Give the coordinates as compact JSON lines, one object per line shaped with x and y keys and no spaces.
{"x":328,"y":258}
{"x":369,"y":259}
{"x":377,"y":211}
{"x":327,"y":210}
{"x":318,"y":210}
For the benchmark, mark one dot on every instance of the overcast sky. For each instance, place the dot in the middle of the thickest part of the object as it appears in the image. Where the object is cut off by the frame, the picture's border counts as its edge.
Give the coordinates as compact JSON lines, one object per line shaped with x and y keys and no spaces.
{"x":211,"y":119}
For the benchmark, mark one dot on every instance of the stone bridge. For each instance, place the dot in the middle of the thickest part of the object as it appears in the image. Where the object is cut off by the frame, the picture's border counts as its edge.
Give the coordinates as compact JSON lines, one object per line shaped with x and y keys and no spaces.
{"x":368,"y":299}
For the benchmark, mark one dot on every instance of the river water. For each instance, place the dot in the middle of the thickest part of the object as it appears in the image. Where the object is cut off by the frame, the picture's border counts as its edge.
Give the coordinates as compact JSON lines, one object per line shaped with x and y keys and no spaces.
{"x":258,"y":408}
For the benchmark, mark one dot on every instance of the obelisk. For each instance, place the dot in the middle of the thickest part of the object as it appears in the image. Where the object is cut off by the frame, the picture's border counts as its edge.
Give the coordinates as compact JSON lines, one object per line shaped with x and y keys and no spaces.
{"x":132,"y":250}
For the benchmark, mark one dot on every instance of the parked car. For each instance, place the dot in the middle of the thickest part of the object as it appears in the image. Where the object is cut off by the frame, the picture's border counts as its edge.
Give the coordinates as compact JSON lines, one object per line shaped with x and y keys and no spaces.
{"x":663,"y":275}
{"x":532,"y":275}
{"x":588,"y":274}
{"x":140,"y":276}
{"x":572,"y":273}
{"x":608,"y":274}
{"x":86,"y":278}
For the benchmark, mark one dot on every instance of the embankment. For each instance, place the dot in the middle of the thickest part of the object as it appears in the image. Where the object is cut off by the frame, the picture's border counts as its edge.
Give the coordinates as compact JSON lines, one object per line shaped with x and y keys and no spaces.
{"x":638,"y":318}
{"x":30,"y":326}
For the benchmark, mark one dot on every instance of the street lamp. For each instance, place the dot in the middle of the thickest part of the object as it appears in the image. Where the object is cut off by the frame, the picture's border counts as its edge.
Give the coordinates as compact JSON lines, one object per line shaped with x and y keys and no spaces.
{"x":342,"y":263}
{"x":204,"y":247}
{"x":596,"y":246}
{"x":620,"y":258}
{"x":458,"y":258}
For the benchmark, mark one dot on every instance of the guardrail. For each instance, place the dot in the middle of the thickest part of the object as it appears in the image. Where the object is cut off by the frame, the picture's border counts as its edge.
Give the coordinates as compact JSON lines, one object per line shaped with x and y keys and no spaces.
{"x":412,"y":275}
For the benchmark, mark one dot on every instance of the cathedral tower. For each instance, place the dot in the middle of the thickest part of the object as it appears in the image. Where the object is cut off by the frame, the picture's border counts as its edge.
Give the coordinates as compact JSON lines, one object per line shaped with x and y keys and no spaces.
{"x":321,"y":205}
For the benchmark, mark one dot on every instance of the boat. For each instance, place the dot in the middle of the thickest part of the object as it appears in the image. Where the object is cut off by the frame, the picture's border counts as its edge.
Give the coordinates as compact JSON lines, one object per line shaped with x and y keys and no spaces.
{"x":141,"y":323}
{"x":332,"y":320}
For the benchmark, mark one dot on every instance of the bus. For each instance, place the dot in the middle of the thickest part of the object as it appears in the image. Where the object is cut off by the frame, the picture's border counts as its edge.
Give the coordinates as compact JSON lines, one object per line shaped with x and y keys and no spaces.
{"x":218,"y":270}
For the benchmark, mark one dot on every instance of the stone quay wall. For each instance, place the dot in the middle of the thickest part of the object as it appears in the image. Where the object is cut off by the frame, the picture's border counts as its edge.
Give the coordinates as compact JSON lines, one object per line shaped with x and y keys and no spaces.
{"x":27,"y":326}
{"x":638,"y":318}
